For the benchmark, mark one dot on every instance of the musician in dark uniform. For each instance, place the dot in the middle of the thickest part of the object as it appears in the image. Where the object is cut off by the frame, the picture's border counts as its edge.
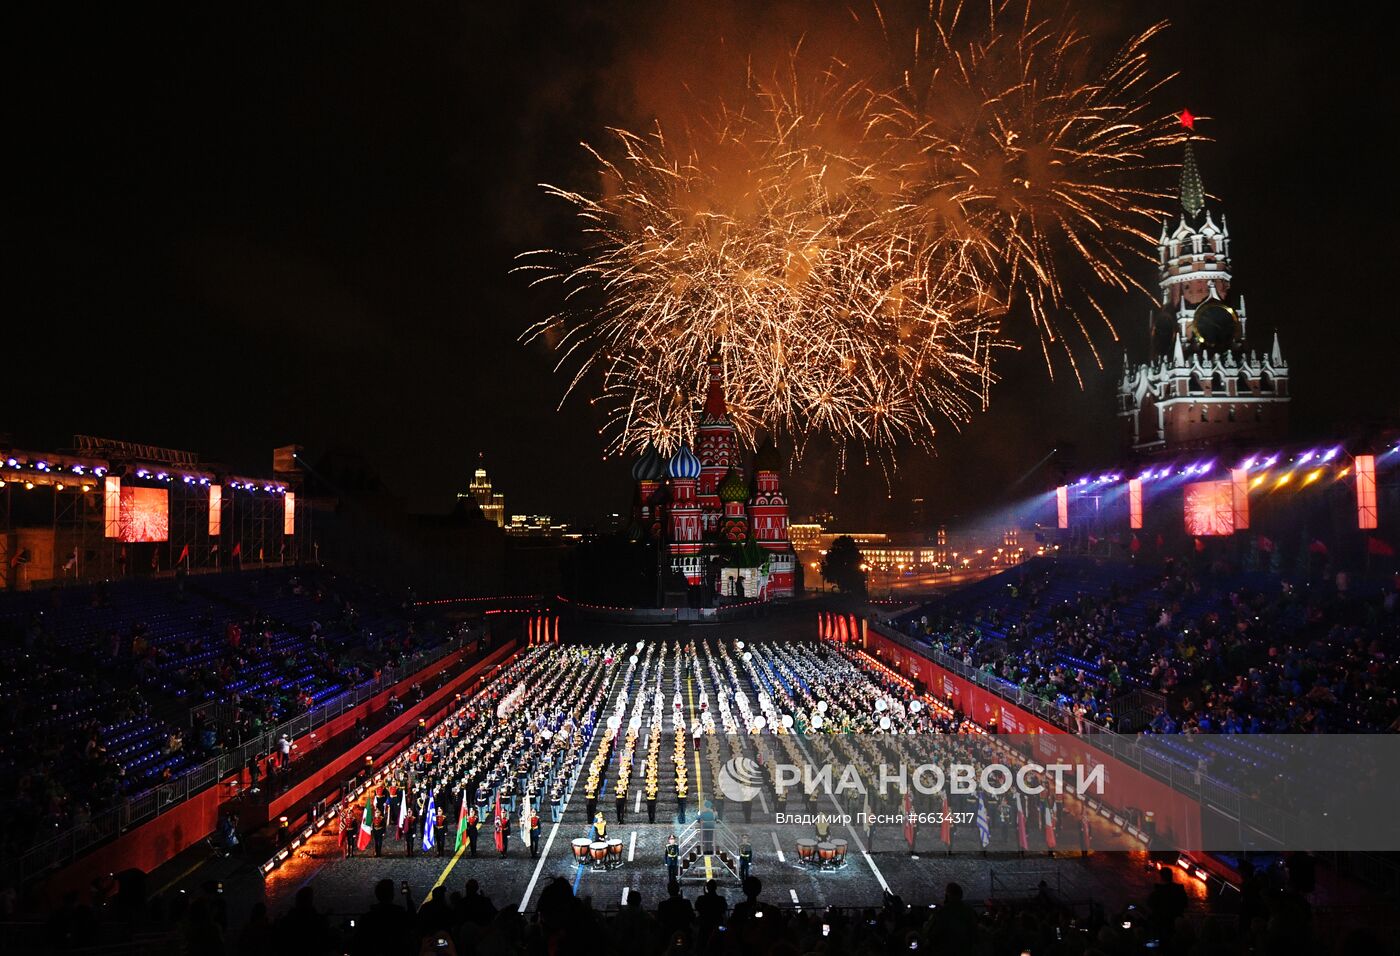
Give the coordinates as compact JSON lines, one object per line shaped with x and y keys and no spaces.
{"x":673,"y":859}
{"x":651,"y":802}
{"x":534,"y":834}
{"x":745,"y":857}
{"x":621,"y":802}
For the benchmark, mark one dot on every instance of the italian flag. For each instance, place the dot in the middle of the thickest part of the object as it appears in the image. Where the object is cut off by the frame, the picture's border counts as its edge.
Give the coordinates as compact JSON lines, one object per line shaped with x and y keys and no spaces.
{"x":366,"y":826}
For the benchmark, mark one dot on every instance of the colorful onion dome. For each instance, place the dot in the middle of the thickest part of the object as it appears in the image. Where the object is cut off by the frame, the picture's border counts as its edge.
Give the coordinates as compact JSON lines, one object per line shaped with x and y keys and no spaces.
{"x":683,"y":464}
{"x":649,"y":467}
{"x":732,"y":486}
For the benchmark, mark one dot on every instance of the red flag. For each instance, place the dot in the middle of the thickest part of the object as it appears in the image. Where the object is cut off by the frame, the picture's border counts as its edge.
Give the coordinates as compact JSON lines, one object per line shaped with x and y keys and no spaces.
{"x":1380,"y":546}
{"x":238,"y":549}
{"x":1135,"y":546}
{"x":500,"y":829}
{"x":1021,"y":825}
{"x":946,"y":830}
{"x":184,"y":553}
{"x":1200,"y":545}
{"x":1050,"y":827}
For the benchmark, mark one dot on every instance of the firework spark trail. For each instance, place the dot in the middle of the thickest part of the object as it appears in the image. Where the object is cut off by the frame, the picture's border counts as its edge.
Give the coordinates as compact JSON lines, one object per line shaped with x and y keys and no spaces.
{"x":855,"y":285}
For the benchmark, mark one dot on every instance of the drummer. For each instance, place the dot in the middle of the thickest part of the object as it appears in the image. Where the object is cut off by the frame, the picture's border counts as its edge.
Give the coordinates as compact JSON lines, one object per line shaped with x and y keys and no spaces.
{"x":600,"y":826}
{"x":823,"y":828}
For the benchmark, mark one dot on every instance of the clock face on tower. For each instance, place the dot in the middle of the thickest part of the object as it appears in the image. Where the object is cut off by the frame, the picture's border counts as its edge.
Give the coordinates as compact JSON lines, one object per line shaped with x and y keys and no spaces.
{"x":1215,"y":326}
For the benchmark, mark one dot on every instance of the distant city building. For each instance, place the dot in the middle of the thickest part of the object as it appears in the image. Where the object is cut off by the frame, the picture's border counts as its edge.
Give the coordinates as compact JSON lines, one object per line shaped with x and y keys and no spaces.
{"x":537,"y":526}
{"x":492,"y":505}
{"x":1201,"y":383}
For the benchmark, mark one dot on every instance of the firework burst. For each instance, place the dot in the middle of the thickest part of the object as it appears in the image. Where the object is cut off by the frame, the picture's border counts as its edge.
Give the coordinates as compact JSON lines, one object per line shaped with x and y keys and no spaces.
{"x":851,"y":246}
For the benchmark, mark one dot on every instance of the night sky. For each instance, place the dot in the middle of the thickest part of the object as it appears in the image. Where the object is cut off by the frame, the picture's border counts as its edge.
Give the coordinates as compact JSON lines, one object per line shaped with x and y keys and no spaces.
{"x":295,"y":222}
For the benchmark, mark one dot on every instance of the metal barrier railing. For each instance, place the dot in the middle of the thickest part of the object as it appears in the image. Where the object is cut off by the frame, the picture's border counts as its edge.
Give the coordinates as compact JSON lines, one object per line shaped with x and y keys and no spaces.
{"x":82,"y":836}
{"x":1254,"y":817}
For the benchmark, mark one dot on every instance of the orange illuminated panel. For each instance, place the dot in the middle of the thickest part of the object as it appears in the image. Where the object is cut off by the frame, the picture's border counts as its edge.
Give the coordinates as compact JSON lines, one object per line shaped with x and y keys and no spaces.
{"x":111,"y":506}
{"x":289,"y":513}
{"x":1062,"y":505}
{"x":1239,"y":481}
{"x":1367,"y":512}
{"x":216,"y":510}
{"x":1135,"y":503}
{"x":1210,"y":508}
{"x":144,"y":514}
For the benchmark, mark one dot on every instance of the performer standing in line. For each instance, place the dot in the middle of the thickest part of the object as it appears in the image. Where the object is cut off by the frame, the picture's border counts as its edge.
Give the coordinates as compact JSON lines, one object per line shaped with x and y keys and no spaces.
{"x":745,"y":857}
{"x":473,"y":824}
{"x":440,"y":830}
{"x":534,"y":834}
{"x":503,"y":833}
{"x":673,"y":859}
{"x":377,"y":830}
{"x":406,"y":828}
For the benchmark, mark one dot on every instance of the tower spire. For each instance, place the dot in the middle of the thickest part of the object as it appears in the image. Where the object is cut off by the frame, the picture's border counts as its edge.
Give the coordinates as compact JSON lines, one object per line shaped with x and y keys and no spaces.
{"x":1193,"y":194}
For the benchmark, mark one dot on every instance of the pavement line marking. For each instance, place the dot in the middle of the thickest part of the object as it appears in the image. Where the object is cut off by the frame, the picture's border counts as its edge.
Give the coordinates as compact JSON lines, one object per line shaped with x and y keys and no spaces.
{"x":626,"y":890}
{"x":795,"y":901}
{"x":855,"y":837}
{"x":763,"y":802}
{"x":638,"y":807}
{"x":699,"y":789}
{"x":544,"y":855}
{"x":632,"y":847}
{"x":442,"y":877}
{"x":779,"y":847}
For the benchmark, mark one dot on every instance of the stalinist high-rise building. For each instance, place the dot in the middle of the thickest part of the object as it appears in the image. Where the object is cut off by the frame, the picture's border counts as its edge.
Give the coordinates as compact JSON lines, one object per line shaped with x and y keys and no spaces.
{"x":1202,"y":383}
{"x":492,"y":505}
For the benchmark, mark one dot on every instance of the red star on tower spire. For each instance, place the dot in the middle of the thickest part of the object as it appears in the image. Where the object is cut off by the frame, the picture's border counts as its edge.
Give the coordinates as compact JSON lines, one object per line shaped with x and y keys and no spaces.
{"x":1187,"y":120}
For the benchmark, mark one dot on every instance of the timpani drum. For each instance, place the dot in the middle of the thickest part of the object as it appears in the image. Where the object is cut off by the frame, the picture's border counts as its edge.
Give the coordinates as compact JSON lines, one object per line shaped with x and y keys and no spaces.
{"x":581,"y":849}
{"x":614,"y":853}
{"x":840,"y":858}
{"x":806,"y":850}
{"x":826,"y":853}
{"x":599,"y":850}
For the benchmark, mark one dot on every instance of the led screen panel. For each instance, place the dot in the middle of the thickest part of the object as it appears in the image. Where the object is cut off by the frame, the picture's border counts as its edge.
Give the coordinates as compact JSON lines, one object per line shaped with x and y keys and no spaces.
{"x":145,"y":514}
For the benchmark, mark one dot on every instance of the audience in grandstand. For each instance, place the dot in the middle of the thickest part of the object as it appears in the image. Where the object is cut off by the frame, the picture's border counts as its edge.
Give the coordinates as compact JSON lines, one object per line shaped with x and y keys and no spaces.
{"x":1229,"y":652}
{"x":99,"y":682}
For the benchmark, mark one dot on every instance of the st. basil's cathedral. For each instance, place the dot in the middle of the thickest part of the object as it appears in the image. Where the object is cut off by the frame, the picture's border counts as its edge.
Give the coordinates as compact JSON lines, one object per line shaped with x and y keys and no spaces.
{"x":702,"y":509}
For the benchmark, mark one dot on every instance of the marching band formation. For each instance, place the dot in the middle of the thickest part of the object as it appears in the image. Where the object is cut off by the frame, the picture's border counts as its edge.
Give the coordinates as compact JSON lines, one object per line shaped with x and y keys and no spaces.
{"x":514,"y":752}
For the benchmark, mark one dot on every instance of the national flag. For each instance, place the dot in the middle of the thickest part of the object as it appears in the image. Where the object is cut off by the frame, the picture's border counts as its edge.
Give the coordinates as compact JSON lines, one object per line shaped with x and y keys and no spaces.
{"x":260,"y":554}
{"x":429,"y":832}
{"x":1021,"y":824}
{"x":984,"y":822}
{"x":366,"y":826}
{"x":500,"y":830}
{"x":237,"y":548}
{"x":184,"y":554}
{"x":946,"y":830}
{"x":462,"y":823}
{"x":403,"y":809}
{"x":1050,"y":826}
{"x":1380,"y":547}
